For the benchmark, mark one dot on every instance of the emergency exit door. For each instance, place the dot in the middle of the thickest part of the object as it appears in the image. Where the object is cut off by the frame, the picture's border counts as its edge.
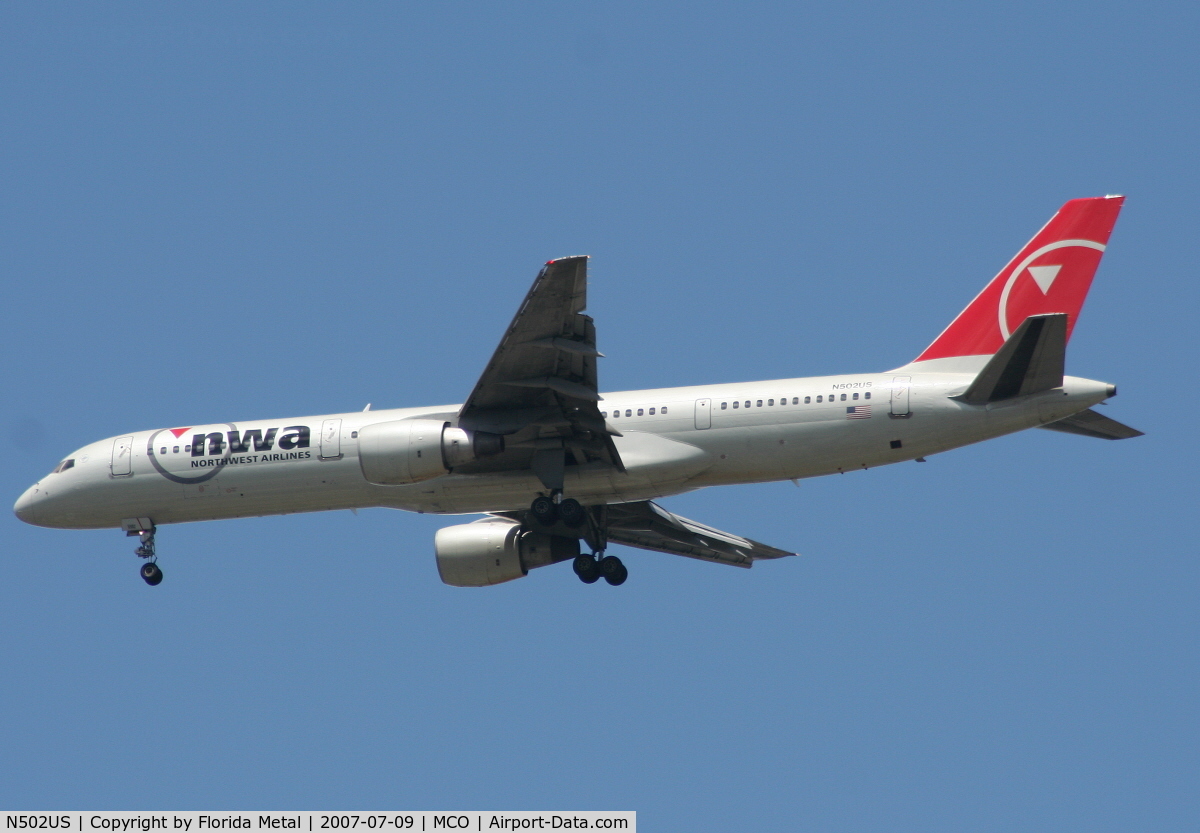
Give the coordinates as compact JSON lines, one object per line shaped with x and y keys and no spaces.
{"x":703,"y":413}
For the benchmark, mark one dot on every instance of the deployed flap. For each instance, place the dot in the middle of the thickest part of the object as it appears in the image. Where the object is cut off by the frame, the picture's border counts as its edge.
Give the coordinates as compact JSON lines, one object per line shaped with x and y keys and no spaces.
{"x":1091,"y":424}
{"x":647,"y":526}
{"x":1031,"y":361}
{"x":540,"y":387}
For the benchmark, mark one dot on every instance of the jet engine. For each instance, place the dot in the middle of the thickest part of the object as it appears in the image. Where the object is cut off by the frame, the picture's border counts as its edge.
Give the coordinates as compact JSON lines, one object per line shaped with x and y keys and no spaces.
{"x":411,"y":450}
{"x":492,"y":551}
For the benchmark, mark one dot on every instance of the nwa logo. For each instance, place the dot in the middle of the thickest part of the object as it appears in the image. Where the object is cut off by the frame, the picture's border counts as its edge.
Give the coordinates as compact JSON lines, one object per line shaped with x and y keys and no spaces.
{"x":212,"y":451}
{"x":294,"y":436}
{"x":1033,"y":296}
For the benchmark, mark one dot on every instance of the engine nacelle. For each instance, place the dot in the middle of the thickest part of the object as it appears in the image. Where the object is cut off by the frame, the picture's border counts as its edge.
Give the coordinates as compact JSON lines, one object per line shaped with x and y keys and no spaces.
{"x":411,"y":450}
{"x":494,"y":551}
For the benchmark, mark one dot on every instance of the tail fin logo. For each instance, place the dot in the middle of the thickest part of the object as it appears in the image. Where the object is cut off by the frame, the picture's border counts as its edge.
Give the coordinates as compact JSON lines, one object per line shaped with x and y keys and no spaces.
{"x":1021,"y":298}
{"x":1051,"y":273}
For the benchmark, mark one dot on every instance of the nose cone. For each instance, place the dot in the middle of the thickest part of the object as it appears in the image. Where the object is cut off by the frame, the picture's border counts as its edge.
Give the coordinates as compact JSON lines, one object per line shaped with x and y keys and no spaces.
{"x":26,"y":506}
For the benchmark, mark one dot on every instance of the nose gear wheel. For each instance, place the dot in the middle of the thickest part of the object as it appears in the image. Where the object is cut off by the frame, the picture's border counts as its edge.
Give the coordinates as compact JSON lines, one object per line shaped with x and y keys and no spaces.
{"x":151,"y":574}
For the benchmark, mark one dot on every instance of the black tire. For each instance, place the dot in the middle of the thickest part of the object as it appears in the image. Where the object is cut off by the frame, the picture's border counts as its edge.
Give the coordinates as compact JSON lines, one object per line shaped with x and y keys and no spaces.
{"x":151,"y":574}
{"x":571,"y":512}
{"x":587,"y":568}
{"x":610,"y":565}
{"x":544,"y":511}
{"x":619,"y":578}
{"x":584,"y":564}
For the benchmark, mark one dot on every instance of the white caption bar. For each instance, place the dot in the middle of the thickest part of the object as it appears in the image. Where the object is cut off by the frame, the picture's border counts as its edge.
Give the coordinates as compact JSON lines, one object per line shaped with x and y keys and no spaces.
{"x":319,"y":822}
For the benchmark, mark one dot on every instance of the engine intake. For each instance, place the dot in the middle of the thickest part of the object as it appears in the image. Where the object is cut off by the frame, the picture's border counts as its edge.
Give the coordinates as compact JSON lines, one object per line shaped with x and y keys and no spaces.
{"x":494,"y":551}
{"x":411,"y":450}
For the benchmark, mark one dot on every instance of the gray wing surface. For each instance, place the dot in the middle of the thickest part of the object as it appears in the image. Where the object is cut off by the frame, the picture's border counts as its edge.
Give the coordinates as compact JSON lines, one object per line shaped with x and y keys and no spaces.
{"x":540,"y":388}
{"x":646,"y":525}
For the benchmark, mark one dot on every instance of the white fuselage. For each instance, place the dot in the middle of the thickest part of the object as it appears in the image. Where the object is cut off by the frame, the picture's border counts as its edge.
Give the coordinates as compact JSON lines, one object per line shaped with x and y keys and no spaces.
{"x":672,"y":440}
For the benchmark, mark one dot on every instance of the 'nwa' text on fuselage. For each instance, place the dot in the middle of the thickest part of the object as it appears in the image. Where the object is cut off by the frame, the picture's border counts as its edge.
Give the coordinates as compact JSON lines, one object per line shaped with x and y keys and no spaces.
{"x":295,"y":436}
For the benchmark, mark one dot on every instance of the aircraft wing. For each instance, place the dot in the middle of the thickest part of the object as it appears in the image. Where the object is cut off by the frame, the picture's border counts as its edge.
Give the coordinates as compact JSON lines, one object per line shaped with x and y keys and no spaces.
{"x":540,"y":388}
{"x":648,"y":526}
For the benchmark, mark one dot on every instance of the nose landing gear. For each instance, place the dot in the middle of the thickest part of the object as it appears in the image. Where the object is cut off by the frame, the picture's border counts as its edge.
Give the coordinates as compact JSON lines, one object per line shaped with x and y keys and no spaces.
{"x":150,"y":572}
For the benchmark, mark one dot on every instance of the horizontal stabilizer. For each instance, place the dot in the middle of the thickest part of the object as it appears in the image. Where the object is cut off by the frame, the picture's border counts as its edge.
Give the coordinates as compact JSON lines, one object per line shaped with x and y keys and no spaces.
{"x":1031,"y":361}
{"x":1091,"y":424}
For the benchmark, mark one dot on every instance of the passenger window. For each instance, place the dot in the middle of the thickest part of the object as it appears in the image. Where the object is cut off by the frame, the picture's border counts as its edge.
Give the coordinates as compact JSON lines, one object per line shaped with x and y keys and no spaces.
{"x":748,"y":403}
{"x":664,"y":409}
{"x":770,"y":401}
{"x":628,"y":412}
{"x":162,"y":450}
{"x":175,"y":450}
{"x":855,"y":396}
{"x":843,"y":397}
{"x":867,"y":395}
{"x":795,"y":400}
{"x":641,"y":412}
{"x":604,"y":414}
{"x":808,"y":400}
{"x":354,"y":435}
{"x":724,"y":405}
{"x":760,"y":403}
{"x":651,"y":412}
{"x":736,"y":404}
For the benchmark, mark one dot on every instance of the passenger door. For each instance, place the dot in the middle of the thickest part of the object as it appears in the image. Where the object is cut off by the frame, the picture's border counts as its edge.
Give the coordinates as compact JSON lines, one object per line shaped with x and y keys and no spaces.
{"x":122,"y":456}
{"x":331,"y":439}
{"x":900,"y":396}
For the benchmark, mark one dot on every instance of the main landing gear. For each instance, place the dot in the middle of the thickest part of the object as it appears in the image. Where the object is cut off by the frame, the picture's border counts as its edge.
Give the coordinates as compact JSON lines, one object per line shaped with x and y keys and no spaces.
{"x":568,"y":518}
{"x":150,"y":572}
{"x":591,"y":569}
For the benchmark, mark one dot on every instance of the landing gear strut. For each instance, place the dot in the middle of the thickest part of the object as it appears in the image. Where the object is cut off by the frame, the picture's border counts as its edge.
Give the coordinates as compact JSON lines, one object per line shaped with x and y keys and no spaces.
{"x":150,"y":572}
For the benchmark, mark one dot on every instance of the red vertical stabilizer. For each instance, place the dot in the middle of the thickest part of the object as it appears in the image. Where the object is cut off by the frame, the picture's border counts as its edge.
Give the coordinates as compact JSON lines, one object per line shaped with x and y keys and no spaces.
{"x":1052,"y":273}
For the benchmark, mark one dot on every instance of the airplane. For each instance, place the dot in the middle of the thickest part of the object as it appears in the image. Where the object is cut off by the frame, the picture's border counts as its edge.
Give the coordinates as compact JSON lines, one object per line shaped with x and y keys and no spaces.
{"x":554,"y":465}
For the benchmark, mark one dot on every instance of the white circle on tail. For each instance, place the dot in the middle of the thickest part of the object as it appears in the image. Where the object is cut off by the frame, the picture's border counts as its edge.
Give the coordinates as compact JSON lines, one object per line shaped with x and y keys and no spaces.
{"x":1044,"y":278}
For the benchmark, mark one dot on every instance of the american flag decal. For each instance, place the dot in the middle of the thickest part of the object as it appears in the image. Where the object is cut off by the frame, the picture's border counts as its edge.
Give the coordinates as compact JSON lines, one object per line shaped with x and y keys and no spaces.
{"x":858,"y":412}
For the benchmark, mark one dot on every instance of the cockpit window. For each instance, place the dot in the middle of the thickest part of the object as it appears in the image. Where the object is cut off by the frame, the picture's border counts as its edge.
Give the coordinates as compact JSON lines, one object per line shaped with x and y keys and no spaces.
{"x":64,"y":465}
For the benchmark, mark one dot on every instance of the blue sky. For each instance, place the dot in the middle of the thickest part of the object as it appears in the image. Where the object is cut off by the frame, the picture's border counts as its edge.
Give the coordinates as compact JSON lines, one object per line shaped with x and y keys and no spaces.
{"x":233,"y":211}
